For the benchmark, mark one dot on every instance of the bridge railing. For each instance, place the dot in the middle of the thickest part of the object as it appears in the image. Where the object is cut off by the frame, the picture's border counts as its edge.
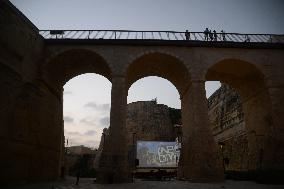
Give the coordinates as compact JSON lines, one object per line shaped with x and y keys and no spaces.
{"x":160,"y":35}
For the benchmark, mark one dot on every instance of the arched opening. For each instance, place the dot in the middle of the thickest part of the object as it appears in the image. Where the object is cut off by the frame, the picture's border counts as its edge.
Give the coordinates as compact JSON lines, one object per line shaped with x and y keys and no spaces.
{"x":240,"y":116}
{"x":57,"y":72}
{"x":154,"y":122}
{"x":86,"y":114}
{"x":161,"y":65}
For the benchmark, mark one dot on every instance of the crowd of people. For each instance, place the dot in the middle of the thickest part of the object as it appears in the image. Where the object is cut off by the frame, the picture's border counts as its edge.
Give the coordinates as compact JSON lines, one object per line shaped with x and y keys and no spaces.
{"x":214,"y":36}
{"x":209,"y":35}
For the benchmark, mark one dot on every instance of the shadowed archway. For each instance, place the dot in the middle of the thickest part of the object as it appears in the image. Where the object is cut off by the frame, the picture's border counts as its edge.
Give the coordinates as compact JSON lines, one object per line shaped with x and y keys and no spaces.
{"x":249,"y":82}
{"x":63,"y":67}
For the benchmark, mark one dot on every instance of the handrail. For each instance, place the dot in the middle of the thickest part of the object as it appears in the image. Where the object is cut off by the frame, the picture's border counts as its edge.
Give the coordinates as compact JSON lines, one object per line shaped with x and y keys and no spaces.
{"x":160,"y":35}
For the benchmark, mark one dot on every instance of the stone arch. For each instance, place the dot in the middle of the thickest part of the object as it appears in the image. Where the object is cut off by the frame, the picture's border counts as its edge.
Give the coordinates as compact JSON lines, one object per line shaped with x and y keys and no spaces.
{"x":68,"y":64}
{"x":56,"y":71}
{"x":165,"y":66}
{"x":249,"y":81}
{"x":159,"y":64}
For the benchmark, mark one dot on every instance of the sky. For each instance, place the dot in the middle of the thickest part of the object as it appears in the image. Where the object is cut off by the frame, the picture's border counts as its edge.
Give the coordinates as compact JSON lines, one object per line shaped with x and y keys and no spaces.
{"x":87,"y":97}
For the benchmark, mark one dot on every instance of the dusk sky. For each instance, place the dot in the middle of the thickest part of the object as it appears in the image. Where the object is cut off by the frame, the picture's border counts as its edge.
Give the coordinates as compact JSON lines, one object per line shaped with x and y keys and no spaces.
{"x":87,"y":97}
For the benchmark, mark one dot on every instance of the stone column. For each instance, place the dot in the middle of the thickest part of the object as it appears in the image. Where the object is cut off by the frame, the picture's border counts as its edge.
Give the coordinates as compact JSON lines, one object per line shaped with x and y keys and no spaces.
{"x":114,"y":164}
{"x":199,"y":154}
{"x":277,"y":127}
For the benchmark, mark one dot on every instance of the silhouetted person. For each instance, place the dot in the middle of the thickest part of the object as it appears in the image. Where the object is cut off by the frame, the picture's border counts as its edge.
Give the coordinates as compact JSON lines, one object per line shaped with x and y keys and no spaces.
{"x":159,"y":174}
{"x":226,"y":161}
{"x":187,"y":35}
{"x":215,"y":35}
{"x":206,"y":32}
{"x":247,"y":39}
{"x":223,"y":35}
{"x":77,"y":177}
{"x":210,"y":35}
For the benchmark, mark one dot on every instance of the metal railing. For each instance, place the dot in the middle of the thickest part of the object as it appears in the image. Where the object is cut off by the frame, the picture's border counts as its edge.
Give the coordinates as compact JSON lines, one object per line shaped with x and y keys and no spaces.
{"x":160,"y":35}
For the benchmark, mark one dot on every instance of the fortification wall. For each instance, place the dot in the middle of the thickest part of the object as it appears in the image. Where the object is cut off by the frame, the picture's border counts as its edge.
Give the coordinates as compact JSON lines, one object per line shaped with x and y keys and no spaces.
{"x":149,"y":121}
{"x":29,"y":110}
{"x":228,"y":128}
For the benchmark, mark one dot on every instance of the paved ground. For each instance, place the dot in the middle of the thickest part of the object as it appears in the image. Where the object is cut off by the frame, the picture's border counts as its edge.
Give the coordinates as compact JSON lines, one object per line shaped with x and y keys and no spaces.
{"x":139,"y":184}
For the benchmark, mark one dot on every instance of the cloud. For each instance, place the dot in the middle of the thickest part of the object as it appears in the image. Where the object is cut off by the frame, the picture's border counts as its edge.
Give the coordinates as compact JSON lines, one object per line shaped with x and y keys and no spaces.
{"x":104,"y":121}
{"x":98,"y":107}
{"x":72,"y":133}
{"x":88,"y":121}
{"x":90,"y":133}
{"x":105,"y":106}
{"x":92,"y":143}
{"x":68,"y":119}
{"x":91,"y":105}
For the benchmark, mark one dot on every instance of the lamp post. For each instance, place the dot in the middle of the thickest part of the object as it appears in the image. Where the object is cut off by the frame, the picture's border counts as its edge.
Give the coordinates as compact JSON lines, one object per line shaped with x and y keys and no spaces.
{"x":222,"y":144}
{"x":134,"y":147}
{"x":134,"y":154}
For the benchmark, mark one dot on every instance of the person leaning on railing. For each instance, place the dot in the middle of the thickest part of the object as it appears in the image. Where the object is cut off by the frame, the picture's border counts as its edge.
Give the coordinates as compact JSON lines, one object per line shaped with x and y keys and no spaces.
{"x":223,"y":35}
{"x":206,"y":32}
{"x":187,"y":35}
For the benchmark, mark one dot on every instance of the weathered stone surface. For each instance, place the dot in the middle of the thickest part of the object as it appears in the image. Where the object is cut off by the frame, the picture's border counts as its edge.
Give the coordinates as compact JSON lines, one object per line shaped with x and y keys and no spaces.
{"x":199,"y":160}
{"x":228,"y":128}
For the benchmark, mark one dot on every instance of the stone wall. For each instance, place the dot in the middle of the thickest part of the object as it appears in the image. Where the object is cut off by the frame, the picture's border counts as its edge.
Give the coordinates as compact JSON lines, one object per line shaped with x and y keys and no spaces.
{"x":147,"y":120}
{"x":228,"y":127}
{"x":31,"y":128}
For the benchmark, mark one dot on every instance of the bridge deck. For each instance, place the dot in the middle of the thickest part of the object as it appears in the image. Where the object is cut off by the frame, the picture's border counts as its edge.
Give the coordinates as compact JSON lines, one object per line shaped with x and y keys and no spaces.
{"x":160,"y":36}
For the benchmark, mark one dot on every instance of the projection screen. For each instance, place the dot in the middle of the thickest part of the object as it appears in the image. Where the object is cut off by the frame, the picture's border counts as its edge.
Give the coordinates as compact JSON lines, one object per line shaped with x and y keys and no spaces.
{"x":157,"y":154}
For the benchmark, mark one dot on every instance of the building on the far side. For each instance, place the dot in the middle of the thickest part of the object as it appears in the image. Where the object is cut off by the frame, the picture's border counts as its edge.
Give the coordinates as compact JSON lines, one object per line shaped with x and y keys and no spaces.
{"x":228,"y":127}
{"x":80,"y":158}
{"x":150,"y":121}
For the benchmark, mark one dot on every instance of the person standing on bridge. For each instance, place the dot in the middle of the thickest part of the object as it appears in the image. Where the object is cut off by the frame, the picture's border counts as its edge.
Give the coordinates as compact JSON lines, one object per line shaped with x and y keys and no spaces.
{"x":210,"y":35}
{"x":187,"y":35}
{"x":223,"y":35}
{"x":247,"y":39}
{"x":214,"y":35}
{"x":206,"y":32}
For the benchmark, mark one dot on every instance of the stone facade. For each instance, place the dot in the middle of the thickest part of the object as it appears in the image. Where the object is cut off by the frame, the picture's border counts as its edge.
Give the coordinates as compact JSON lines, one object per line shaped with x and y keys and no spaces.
{"x":79,"y":158}
{"x":147,"y":120}
{"x":228,"y":128}
{"x":80,"y":150}
{"x":33,"y":72}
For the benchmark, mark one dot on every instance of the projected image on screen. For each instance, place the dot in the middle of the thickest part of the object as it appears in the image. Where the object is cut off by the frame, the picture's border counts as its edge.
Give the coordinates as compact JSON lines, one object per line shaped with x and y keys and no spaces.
{"x":157,"y":154}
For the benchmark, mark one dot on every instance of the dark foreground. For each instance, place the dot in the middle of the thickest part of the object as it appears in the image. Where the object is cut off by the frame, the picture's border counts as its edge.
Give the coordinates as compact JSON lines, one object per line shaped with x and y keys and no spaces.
{"x":69,"y":183}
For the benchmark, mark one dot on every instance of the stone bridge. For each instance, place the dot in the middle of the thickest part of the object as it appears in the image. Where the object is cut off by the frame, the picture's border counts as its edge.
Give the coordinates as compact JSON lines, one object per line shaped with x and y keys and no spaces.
{"x":33,"y":71}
